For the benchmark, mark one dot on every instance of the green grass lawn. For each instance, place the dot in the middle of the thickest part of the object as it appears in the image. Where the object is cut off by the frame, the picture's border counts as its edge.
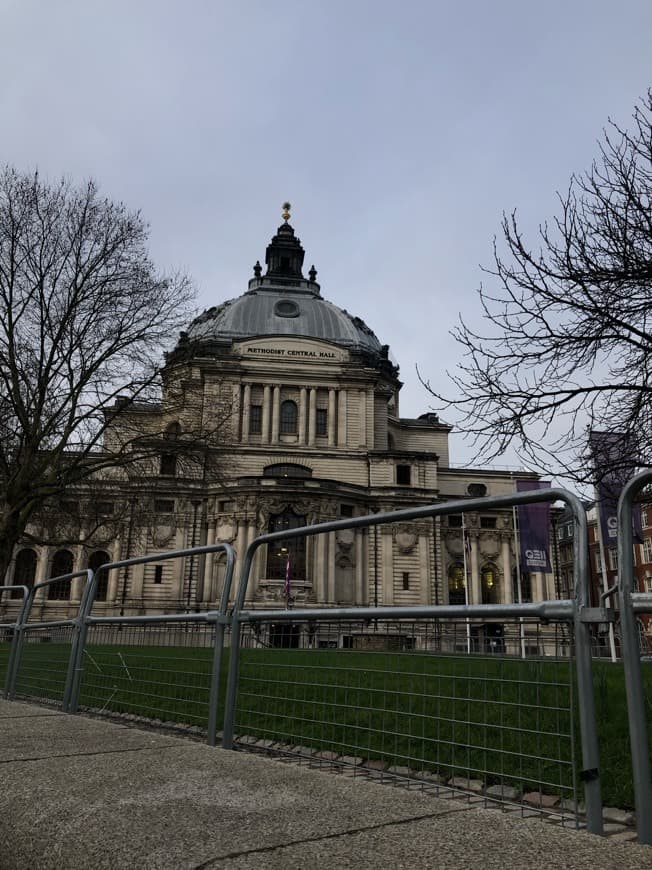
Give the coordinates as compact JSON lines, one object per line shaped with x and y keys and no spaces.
{"x":490,"y":718}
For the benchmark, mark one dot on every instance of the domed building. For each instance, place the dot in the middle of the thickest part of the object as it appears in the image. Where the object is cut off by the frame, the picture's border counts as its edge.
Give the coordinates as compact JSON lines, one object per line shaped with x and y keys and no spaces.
{"x":281,"y":410}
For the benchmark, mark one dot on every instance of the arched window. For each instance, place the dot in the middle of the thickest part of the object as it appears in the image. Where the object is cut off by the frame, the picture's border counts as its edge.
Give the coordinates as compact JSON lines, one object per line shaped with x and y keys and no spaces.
{"x":456,"y":584}
{"x":489,"y":580}
{"x":96,"y":560}
{"x":279,"y":552}
{"x":288,"y":418}
{"x":25,"y":571}
{"x":61,"y":564}
{"x":173,"y":430}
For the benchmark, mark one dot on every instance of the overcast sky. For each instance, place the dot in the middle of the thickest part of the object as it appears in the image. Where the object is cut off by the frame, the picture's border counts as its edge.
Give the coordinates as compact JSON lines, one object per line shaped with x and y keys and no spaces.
{"x":399,"y":132}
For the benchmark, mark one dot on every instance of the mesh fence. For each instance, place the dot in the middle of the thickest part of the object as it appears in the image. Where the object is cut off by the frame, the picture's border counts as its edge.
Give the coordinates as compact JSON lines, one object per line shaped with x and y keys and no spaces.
{"x":43,"y":663}
{"x":407,"y":700}
{"x":156,"y":674}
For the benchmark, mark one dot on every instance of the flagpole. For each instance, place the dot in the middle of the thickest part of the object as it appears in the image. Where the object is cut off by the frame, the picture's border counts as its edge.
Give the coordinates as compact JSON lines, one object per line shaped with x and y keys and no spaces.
{"x":466,"y":589}
{"x":603,"y":573}
{"x":517,"y":556}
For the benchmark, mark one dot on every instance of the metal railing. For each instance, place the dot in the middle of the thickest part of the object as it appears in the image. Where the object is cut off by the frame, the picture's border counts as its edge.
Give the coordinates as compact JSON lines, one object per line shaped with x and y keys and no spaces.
{"x":632,"y":602}
{"x":9,"y":635}
{"x":574,"y":612}
{"x":167,"y":684}
{"x":112,"y":667}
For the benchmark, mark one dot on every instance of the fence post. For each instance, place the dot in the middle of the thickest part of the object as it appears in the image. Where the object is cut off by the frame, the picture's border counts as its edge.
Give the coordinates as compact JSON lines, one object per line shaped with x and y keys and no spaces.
{"x":638,"y":731}
{"x":214,"y":697}
{"x":590,"y":773}
{"x":20,"y":630}
{"x":14,"y":650}
{"x":234,"y":655}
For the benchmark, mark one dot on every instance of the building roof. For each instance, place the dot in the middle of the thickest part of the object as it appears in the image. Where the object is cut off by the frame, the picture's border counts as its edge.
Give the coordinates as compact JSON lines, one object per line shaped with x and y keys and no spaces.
{"x":282,"y":302}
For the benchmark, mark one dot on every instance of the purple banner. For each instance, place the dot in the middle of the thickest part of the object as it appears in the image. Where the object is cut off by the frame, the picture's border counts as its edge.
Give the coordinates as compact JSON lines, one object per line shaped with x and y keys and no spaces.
{"x":614,"y":461}
{"x":534,"y":529}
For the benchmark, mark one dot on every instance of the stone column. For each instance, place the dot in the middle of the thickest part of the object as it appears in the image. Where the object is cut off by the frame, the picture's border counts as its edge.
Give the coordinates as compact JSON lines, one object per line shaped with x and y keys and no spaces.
{"x":240,"y":549}
{"x":507,"y":596}
{"x":361,"y":588}
{"x":424,"y":572}
{"x":246,"y":407}
{"x":267,"y":409}
{"x":207,"y":592}
{"x":303,"y":413}
{"x":312,"y":417}
{"x":370,"y":406}
{"x":341,"y":418}
{"x":77,"y":584}
{"x":362,"y":411}
{"x":42,"y":573}
{"x":236,"y":413}
{"x":330,"y":594}
{"x":112,"y":579}
{"x":319,"y":569}
{"x":476,"y":591}
{"x":331,"y":418}
{"x":387,"y":572}
{"x":276,"y":412}
{"x":179,"y":566}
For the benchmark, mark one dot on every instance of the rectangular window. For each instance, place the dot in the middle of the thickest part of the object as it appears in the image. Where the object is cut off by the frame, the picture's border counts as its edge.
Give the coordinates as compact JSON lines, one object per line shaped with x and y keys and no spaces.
{"x":255,"y":419}
{"x":158,"y":574}
{"x":487,"y":522}
{"x":455,"y":521}
{"x":598,"y":561}
{"x":164,"y":506}
{"x":346,"y":510}
{"x":646,"y":550}
{"x":613,"y":559}
{"x":403,"y":475}
{"x":224,"y":506}
{"x":168,"y":466}
{"x":648,"y":583}
{"x":104,"y":508}
{"x":645,"y":522}
{"x":406,"y":579}
{"x":322,"y":421}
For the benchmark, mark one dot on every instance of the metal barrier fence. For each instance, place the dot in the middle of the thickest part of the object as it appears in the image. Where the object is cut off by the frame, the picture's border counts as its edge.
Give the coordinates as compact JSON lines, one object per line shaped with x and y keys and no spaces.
{"x":372,"y":693}
{"x":632,"y":602}
{"x":136,"y":680}
{"x":139,"y":681}
{"x":40,"y":671}
{"x":573,"y":612}
{"x":9,"y":634}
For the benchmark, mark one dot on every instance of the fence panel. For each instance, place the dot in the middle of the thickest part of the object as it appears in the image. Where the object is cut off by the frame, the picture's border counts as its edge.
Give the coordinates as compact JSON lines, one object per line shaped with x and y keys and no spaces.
{"x":10,"y":635}
{"x":155,"y":668}
{"x":577,"y":613}
{"x":155,"y":672}
{"x":383,"y":697}
{"x":45,"y":651}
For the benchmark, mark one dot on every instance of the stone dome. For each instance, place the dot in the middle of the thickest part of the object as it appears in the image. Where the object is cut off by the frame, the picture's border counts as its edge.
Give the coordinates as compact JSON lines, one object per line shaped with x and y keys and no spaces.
{"x":283,"y":302}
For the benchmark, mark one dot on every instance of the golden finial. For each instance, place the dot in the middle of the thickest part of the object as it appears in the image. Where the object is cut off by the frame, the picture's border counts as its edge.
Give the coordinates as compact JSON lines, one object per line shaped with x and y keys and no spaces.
{"x":286,"y":211}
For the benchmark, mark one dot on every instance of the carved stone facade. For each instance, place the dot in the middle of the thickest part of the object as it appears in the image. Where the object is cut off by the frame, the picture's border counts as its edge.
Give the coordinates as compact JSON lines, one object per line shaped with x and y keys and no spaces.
{"x":312,"y":432}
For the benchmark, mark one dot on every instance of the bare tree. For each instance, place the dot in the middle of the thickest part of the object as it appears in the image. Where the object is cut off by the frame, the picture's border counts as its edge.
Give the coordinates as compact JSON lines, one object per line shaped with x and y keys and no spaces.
{"x":567,"y":344}
{"x":84,"y":316}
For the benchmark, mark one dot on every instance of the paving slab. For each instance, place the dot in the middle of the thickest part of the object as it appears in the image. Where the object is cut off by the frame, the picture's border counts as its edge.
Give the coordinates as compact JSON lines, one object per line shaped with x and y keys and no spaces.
{"x":18,"y":710}
{"x":99,"y":795}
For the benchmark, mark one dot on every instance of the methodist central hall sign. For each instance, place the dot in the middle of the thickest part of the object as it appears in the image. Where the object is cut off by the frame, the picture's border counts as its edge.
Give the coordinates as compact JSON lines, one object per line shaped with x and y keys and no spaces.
{"x":292,"y":350}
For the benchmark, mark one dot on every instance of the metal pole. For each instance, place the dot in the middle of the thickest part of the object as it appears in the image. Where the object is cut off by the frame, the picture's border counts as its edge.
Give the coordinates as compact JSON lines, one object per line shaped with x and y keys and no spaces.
{"x":519,"y":591}
{"x":638,"y":729}
{"x":603,"y":573}
{"x":466,"y":588}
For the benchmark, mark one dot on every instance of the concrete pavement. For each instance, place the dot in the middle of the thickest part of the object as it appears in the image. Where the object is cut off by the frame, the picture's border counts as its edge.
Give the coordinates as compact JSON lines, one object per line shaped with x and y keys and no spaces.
{"x":77,"y":792}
